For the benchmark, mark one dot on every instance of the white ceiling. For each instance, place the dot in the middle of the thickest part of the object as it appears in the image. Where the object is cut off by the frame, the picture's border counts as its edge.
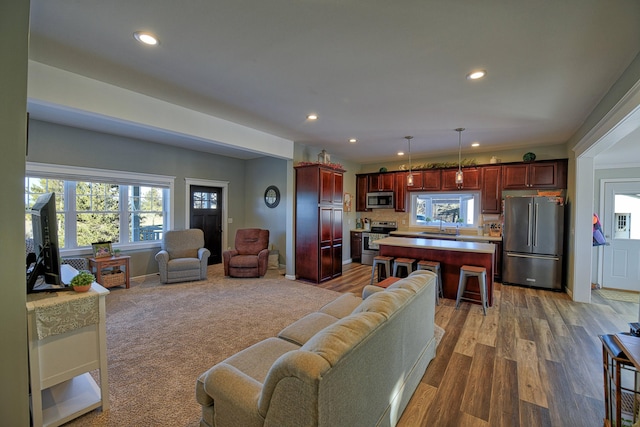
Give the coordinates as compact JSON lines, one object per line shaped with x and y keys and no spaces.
{"x":372,"y":70}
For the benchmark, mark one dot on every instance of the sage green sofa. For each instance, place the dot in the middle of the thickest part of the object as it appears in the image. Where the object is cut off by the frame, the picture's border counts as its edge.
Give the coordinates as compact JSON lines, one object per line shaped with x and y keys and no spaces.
{"x":353,"y":363}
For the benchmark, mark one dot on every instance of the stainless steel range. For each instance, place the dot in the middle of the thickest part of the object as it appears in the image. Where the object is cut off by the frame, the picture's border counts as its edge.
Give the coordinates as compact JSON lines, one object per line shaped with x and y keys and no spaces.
{"x":379,"y":230}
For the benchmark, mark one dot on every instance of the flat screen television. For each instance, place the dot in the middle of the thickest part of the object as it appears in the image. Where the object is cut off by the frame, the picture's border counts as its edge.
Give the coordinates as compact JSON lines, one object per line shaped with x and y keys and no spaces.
{"x":43,"y":267}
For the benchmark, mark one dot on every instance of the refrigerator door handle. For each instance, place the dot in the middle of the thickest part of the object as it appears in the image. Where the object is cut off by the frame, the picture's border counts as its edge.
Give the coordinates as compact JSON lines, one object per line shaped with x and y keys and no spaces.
{"x":555,"y":258}
{"x":535,"y":225}
{"x":529,"y":224}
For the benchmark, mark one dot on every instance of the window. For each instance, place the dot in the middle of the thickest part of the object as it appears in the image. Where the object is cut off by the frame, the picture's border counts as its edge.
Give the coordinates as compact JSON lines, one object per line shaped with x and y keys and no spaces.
{"x":109,"y":206}
{"x":445,"y":209}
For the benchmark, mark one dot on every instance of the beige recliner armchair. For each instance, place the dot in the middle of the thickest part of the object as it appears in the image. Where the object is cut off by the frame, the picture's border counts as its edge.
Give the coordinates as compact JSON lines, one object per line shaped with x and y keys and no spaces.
{"x":183,"y":256}
{"x":251,"y":256}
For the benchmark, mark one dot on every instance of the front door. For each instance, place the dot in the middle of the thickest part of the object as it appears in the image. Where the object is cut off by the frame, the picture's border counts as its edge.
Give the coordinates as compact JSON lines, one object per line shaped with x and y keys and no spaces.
{"x":206,"y":214}
{"x":621,"y":226}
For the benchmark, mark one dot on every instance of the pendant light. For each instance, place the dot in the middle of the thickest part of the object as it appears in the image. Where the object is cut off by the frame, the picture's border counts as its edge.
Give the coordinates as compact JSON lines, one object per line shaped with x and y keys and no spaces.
{"x":459,"y":177}
{"x":410,"y":176}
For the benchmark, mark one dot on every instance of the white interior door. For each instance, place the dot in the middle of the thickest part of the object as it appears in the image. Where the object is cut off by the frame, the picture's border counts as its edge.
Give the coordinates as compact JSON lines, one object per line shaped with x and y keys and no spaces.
{"x":621,"y":226}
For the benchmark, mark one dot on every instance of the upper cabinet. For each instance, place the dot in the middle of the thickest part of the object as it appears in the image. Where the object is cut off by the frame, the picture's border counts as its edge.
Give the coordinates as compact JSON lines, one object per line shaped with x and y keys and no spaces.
{"x":540,"y":174}
{"x":470,"y":179}
{"x":362,"y":186}
{"x":381,"y":181}
{"x":425,"y":180}
{"x":491,"y":191}
{"x":400,"y":191}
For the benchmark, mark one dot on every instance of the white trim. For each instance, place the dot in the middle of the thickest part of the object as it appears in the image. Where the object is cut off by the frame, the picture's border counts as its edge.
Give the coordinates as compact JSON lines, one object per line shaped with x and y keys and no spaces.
{"x":613,"y":126}
{"x":113,"y":175}
{"x":225,"y":202}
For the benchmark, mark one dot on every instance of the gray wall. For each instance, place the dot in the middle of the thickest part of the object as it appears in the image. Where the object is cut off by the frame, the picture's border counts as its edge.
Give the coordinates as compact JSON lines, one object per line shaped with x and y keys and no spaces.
{"x":63,"y":145}
{"x":262,"y":173}
{"x":14,"y":391}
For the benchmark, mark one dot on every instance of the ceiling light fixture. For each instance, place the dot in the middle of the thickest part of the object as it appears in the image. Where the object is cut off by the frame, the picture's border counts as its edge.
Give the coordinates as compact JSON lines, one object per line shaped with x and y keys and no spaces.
{"x":459,"y":177}
{"x":353,"y":140}
{"x":410,"y":176}
{"x":475,"y":75}
{"x":475,"y":144}
{"x":312,"y":117}
{"x":146,"y":38}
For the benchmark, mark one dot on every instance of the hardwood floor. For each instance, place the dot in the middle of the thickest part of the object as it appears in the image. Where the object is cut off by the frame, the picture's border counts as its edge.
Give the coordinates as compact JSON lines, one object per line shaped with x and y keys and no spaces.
{"x":534,"y":360}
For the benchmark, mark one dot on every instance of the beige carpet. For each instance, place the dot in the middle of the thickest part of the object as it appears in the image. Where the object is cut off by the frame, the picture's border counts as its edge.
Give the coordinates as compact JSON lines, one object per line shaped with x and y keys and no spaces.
{"x":161,"y":337}
{"x":626,"y":296}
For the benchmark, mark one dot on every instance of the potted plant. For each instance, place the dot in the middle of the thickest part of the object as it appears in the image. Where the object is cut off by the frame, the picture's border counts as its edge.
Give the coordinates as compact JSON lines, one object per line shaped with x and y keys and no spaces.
{"x":82,"y":281}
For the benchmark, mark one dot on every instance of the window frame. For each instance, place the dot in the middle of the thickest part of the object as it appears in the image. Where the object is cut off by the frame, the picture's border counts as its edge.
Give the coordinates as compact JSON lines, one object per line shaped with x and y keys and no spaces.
{"x":121,"y":178}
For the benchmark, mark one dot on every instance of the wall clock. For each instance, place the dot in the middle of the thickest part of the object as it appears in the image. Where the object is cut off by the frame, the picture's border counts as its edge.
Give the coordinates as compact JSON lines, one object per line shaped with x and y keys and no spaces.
{"x":272,"y":196}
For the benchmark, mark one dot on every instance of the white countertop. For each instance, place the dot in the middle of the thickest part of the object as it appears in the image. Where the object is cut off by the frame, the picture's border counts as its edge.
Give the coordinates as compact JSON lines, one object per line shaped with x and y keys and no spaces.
{"x":446,"y":245}
{"x":461,"y":237}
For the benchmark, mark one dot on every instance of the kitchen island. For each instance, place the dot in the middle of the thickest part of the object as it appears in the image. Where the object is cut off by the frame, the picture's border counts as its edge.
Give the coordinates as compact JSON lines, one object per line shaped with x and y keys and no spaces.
{"x":450,"y":253}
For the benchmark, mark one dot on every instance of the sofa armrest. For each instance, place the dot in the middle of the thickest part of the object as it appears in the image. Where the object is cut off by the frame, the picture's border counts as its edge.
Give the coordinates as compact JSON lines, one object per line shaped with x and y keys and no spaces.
{"x":163,"y":259}
{"x":235,"y":396}
{"x":263,"y":261}
{"x":203,"y":253}
{"x":294,"y":377}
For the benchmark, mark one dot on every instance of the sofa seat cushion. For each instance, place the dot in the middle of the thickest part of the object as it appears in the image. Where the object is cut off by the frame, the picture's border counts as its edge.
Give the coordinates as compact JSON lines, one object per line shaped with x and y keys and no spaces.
{"x":182,"y":264}
{"x":341,"y":306}
{"x":243,"y":261}
{"x":300,"y":331}
{"x":335,"y":341}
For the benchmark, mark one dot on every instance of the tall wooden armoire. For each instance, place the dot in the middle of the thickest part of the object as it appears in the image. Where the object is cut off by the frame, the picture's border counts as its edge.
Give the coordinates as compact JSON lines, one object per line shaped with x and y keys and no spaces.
{"x":318,"y":222}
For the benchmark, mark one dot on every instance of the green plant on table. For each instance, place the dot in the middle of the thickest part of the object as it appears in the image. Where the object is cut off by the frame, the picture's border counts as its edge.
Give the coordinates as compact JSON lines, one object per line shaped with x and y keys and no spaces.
{"x":83,"y":278}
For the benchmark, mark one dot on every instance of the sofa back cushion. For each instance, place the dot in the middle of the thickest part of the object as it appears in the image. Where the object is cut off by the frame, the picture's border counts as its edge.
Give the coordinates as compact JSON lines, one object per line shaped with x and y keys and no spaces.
{"x":336,"y":340}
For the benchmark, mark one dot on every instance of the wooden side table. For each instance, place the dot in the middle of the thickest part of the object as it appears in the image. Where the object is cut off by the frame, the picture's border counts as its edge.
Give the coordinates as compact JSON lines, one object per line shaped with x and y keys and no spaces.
{"x":99,"y":266}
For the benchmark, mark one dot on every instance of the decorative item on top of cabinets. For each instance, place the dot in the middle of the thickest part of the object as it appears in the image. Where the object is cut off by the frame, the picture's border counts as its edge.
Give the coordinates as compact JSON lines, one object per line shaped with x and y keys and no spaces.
{"x":324,"y":157}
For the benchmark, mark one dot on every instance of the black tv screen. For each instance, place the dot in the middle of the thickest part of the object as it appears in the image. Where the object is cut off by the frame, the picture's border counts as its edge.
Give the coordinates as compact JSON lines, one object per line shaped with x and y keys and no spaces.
{"x":44,"y":274}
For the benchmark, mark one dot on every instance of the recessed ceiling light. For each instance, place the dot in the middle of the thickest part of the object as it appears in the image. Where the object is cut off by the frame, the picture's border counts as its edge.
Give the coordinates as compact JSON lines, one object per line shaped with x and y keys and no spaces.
{"x":146,"y":38}
{"x":312,"y":117}
{"x":475,"y":75}
{"x":400,"y":153}
{"x":475,"y":144}
{"x":353,"y":140}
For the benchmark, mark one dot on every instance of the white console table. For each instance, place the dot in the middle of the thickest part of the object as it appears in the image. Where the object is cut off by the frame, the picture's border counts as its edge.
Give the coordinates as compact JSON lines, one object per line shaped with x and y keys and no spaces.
{"x":67,"y":340}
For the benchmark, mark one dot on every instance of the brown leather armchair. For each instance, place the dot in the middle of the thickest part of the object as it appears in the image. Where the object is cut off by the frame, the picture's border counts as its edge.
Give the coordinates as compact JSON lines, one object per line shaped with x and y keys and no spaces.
{"x":251,"y":256}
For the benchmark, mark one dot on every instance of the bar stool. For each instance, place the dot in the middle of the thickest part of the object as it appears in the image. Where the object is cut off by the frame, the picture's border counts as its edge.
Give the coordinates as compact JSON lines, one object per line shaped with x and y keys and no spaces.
{"x":378,"y":263}
{"x":435,"y":267}
{"x":407,"y":263}
{"x":467,"y":271}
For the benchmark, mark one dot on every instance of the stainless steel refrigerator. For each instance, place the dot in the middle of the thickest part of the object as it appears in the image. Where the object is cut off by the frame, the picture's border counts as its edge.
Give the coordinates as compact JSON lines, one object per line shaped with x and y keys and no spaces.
{"x":533,"y":241}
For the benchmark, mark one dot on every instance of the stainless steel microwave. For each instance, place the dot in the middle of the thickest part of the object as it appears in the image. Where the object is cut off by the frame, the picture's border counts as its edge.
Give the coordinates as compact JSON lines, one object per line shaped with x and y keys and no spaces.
{"x":383,"y":199}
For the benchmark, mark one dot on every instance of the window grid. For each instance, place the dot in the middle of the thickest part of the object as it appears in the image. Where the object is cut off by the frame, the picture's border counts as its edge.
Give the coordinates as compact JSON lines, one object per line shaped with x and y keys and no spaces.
{"x":97,"y":211}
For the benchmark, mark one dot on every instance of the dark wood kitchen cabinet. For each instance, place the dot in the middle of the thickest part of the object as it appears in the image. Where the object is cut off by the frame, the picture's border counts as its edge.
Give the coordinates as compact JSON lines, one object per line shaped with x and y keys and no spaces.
{"x":318,"y":222}
{"x":400,"y":191}
{"x":491,"y":191}
{"x":538,"y":174}
{"x":381,"y":181}
{"x":425,"y":180}
{"x":362,"y":186}
{"x":356,"y":246}
{"x":470,"y":179}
